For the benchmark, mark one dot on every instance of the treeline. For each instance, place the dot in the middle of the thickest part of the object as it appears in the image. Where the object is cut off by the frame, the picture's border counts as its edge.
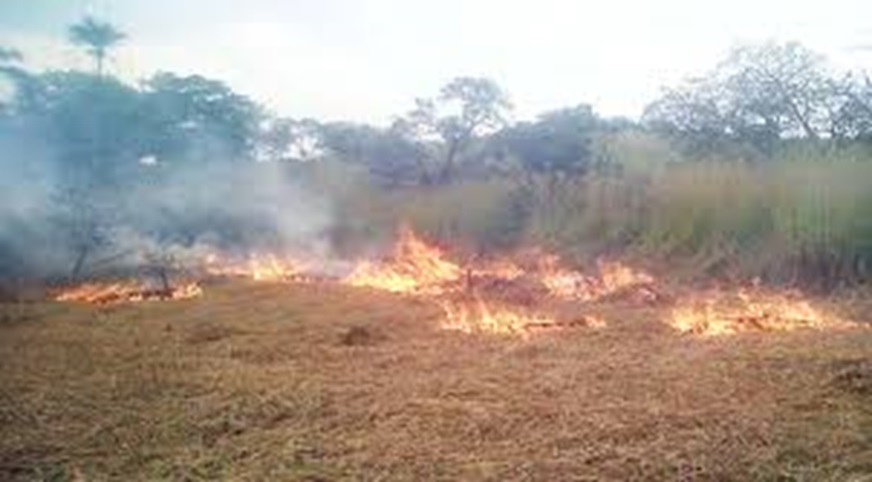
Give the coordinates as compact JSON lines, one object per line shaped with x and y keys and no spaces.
{"x":761,"y":97}
{"x":759,"y":168}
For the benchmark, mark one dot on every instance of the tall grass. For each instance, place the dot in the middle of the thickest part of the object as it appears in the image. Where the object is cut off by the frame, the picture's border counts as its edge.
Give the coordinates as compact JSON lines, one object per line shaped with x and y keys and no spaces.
{"x":802,"y":217}
{"x":790,"y":220}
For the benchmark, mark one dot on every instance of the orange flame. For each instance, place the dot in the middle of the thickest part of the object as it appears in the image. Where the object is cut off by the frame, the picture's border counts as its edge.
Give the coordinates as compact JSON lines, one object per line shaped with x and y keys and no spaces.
{"x":612,"y":278}
{"x":478,"y":316}
{"x":718,"y":313}
{"x":500,"y":269}
{"x":126,"y":292}
{"x":259,"y":267}
{"x":415,"y":267}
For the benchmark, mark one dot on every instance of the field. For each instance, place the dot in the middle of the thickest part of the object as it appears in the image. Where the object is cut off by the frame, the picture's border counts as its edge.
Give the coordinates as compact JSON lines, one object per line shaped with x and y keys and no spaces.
{"x":325,"y":382}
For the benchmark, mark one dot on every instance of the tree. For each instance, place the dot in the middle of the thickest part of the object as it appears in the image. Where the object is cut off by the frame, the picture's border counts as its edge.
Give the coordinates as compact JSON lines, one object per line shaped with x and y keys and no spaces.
{"x":83,"y":219}
{"x":466,"y":108}
{"x":8,"y":58}
{"x":94,"y":128}
{"x":284,"y":139}
{"x":389,"y":157}
{"x":557,"y":147}
{"x":852,"y":108}
{"x":97,"y":37}
{"x":782,"y":85}
{"x":9,"y":55}
{"x":95,"y":125}
{"x":201,"y":120}
{"x":759,"y":95}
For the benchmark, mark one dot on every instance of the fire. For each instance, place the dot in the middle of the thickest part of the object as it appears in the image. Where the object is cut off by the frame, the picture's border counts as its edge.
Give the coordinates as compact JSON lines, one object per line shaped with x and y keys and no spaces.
{"x":500,"y":269}
{"x":612,"y":277}
{"x":415,"y":267}
{"x":499,"y":295}
{"x":127,"y":292}
{"x":419,"y":269}
{"x":259,"y":267}
{"x":719,"y":313}
{"x":477,"y":316}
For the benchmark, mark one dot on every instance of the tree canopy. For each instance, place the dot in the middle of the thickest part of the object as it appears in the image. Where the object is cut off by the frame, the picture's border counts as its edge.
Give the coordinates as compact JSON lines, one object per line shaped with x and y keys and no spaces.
{"x":760,"y":95}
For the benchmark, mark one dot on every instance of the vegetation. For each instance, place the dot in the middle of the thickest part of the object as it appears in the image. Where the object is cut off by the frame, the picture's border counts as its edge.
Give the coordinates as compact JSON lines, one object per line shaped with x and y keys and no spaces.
{"x":759,"y":168}
{"x":759,"y":171}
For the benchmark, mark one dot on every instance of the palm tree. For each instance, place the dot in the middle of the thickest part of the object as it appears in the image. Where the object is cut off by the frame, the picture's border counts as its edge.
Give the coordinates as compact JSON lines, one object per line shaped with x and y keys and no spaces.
{"x":97,"y":37}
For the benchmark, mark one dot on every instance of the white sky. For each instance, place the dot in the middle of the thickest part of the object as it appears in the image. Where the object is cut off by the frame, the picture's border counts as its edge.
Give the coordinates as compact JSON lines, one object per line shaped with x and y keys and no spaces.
{"x":366,"y":60}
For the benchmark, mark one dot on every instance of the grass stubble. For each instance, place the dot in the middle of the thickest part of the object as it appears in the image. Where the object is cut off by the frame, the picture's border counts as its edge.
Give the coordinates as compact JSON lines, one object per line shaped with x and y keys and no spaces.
{"x":311,"y":382}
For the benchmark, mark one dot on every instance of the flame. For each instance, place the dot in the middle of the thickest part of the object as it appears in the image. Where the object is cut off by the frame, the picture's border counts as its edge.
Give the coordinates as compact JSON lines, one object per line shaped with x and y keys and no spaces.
{"x":718,"y":313}
{"x":126,"y":292}
{"x":419,"y":269}
{"x":500,"y":269}
{"x":415,"y":267}
{"x":478,"y":316}
{"x":612,"y":277}
{"x":259,"y":267}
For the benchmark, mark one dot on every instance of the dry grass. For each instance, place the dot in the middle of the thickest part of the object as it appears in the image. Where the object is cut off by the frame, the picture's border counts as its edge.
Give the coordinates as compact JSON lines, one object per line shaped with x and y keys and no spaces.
{"x":255,"y":382}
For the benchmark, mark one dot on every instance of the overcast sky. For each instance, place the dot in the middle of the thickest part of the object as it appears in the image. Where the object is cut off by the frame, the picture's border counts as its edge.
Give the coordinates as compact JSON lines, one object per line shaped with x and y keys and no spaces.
{"x":365,"y":60}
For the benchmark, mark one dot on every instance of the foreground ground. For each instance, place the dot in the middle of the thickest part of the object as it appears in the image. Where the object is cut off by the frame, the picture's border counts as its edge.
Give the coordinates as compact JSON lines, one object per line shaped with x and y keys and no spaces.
{"x":278,"y":382}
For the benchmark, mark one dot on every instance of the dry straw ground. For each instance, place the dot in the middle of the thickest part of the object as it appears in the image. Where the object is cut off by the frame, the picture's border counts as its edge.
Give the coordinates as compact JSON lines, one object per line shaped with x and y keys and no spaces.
{"x":260,"y":382}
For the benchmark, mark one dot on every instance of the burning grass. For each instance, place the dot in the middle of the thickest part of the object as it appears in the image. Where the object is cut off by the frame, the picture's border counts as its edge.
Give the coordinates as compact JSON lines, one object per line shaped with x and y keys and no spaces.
{"x":720,"y":312}
{"x":259,"y":267}
{"x":498,"y":295}
{"x":415,"y":267}
{"x":101,"y":293}
{"x":506,"y":295}
{"x":476,"y":315}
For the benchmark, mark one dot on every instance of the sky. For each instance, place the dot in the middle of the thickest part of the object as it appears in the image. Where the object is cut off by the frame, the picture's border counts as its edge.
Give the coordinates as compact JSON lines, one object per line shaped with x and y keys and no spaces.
{"x":366,"y":60}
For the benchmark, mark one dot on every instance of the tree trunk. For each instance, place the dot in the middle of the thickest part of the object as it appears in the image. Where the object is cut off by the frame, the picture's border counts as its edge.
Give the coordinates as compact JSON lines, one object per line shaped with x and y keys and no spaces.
{"x":165,"y":286}
{"x":100,"y":56}
{"x":447,"y":172}
{"x":80,"y":263}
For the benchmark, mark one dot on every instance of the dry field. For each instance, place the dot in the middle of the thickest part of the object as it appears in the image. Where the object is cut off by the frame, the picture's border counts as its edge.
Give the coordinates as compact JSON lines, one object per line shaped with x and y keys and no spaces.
{"x":311,"y":382}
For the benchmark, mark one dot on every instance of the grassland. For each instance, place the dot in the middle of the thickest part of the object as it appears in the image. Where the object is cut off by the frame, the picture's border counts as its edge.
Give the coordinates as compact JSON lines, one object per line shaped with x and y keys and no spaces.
{"x":307,"y":382}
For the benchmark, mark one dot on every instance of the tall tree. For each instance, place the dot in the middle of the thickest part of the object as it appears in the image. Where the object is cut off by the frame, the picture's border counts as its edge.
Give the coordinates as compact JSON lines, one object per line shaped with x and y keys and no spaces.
{"x":467,"y":108}
{"x":97,"y":37}
{"x":758,"y":95}
{"x":389,"y":157}
{"x":200,"y":119}
{"x":852,"y":108}
{"x":283,"y":139}
{"x":783,"y":85}
{"x":557,"y":147}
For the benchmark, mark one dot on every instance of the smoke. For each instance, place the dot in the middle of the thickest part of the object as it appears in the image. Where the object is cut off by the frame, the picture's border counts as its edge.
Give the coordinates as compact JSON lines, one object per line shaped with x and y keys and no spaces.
{"x":161,"y":210}
{"x":235,"y":206}
{"x":28,"y":245}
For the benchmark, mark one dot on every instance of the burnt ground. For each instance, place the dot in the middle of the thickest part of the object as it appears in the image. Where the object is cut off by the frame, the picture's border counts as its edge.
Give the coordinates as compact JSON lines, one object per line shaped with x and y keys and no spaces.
{"x":311,"y":382}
